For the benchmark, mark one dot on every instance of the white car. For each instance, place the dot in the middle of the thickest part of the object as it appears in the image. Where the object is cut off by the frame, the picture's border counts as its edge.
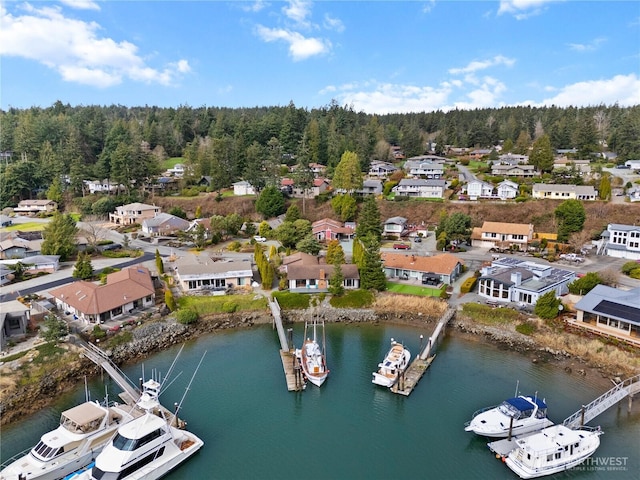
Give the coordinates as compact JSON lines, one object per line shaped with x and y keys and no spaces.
{"x":260,"y":239}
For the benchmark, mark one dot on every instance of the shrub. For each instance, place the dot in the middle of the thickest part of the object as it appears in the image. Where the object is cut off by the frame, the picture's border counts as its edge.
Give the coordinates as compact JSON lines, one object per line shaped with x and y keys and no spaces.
{"x":526,"y":328}
{"x":234,"y":246}
{"x":629,"y":267}
{"x":229,"y":307}
{"x":98,"y":332}
{"x":169,"y":300}
{"x":547,"y":306}
{"x":468,"y":285}
{"x":187,"y":316}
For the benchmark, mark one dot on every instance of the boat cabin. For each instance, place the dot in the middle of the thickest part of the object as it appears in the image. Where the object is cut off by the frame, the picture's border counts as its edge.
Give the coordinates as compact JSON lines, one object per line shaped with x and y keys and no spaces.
{"x":521,"y":407}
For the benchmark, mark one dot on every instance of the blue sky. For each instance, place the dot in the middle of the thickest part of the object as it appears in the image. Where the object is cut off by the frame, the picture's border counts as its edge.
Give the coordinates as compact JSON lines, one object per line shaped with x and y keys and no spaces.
{"x":378,"y":56}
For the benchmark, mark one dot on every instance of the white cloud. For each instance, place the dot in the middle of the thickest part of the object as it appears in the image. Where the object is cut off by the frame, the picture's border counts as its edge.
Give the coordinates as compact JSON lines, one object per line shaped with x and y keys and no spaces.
{"x":81,"y":4}
{"x":298,"y":11}
{"x":482,"y":65}
{"x":254,"y":7}
{"x":522,"y":9}
{"x":621,"y":89}
{"x":587,"y":47}
{"x":331,"y":23}
{"x":300,"y":47}
{"x":75,"y":50}
{"x":428,"y":6}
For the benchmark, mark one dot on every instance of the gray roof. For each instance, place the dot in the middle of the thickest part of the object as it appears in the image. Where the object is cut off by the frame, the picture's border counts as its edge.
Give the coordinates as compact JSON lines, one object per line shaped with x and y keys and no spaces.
{"x":421,"y":182}
{"x":397,"y":220}
{"x":625,"y":303}
{"x":168,"y":219}
{"x":623,"y":228}
{"x":203,"y":264}
{"x":552,"y":187}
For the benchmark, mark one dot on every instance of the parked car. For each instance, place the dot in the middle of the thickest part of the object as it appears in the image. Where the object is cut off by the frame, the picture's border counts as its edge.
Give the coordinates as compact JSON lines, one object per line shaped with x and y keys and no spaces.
{"x":401,"y":246}
{"x":417,"y":239}
{"x":260,"y":239}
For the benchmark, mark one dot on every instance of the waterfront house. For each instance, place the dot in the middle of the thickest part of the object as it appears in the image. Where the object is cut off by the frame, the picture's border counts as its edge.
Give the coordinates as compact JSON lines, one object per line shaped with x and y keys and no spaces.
{"x":610,"y":312}
{"x":310,"y":274}
{"x":514,"y":280}
{"x":620,"y":241}
{"x":133,"y":213}
{"x":420,"y":188}
{"x":164,"y":224}
{"x":444,"y":268}
{"x":14,"y":319}
{"x":502,"y":235}
{"x":125,"y":291}
{"x":564,"y":192}
{"x":201,"y":272}
{"x":34,"y":207}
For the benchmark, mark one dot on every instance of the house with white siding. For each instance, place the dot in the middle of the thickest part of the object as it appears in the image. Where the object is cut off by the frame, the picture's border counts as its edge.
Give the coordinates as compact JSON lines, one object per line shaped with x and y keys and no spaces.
{"x":620,"y":241}
{"x":564,"y":192}
{"x":420,"y":188}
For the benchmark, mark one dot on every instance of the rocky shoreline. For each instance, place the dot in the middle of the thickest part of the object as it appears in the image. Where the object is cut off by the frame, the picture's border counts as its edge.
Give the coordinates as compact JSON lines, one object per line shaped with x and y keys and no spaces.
{"x":159,"y":334}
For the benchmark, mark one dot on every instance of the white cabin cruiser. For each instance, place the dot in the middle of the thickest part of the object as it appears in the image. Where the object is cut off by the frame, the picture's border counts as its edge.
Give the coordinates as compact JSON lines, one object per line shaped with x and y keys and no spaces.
{"x":148,"y":447}
{"x":552,"y":450}
{"x":312,"y":358}
{"x":83,"y":432}
{"x":394,"y":363}
{"x":514,"y":416}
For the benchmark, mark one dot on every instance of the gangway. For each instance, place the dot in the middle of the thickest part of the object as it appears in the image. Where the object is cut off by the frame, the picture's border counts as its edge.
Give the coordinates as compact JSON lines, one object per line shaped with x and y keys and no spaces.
{"x":629,"y":387}
{"x":277,"y":319}
{"x":97,"y":356}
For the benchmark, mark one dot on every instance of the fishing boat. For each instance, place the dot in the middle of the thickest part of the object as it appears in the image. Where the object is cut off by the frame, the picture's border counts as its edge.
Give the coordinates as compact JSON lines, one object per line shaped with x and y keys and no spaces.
{"x":514,"y":416}
{"x":552,"y":450}
{"x":394,"y":363}
{"x":147,"y":447}
{"x":312,"y":357}
{"x":83,"y":432}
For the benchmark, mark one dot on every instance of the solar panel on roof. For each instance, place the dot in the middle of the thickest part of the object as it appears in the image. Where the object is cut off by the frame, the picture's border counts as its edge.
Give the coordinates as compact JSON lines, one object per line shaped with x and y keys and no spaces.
{"x":619,"y":311}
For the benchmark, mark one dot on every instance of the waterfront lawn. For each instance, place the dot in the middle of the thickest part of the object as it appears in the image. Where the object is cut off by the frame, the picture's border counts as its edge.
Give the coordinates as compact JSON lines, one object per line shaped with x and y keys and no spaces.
{"x":292,"y":301}
{"x":221,"y":303}
{"x":353,"y":299}
{"x":414,"y":290}
{"x":24,"y":227}
{"x":489,"y":315}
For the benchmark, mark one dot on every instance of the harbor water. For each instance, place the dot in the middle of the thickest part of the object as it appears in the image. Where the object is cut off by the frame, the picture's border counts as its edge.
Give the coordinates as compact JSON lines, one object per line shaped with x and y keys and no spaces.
{"x":254,"y":428}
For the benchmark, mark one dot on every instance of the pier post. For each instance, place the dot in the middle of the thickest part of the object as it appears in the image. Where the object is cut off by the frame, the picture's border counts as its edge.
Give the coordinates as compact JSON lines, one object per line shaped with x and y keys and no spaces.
{"x":290,"y":338}
{"x":582,"y":416}
{"x":421,"y":338}
{"x":510,"y":428}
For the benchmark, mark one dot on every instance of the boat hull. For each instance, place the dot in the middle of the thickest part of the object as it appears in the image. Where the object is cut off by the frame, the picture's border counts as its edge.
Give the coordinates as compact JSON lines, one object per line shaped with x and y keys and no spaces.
{"x":525,"y":472}
{"x":13,"y":471}
{"x":394,"y":364}
{"x":518,"y":429}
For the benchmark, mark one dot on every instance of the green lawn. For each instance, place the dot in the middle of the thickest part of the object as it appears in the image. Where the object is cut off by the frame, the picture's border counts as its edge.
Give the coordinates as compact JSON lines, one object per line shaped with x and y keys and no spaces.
{"x":414,"y":290}
{"x":171,"y":162}
{"x":25,"y":227}
{"x":216,"y":304}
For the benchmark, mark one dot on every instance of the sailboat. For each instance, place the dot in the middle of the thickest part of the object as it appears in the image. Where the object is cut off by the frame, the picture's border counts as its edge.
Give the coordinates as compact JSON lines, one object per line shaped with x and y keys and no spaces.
{"x":312,"y":358}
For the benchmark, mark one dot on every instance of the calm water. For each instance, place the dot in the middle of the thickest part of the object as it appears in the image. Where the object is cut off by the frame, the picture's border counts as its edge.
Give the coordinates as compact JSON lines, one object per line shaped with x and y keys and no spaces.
{"x":254,"y":429}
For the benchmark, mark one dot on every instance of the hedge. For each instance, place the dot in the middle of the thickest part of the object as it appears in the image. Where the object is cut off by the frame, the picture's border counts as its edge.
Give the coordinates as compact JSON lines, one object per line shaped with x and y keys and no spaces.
{"x":468,"y":285}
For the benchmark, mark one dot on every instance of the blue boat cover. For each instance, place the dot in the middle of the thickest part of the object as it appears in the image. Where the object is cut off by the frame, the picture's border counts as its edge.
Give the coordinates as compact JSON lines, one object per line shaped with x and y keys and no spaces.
{"x":522,"y":405}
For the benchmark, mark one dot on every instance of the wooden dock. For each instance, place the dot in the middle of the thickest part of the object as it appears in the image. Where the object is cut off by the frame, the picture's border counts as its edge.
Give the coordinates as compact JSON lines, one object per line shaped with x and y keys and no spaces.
{"x":290,"y":364}
{"x":412,"y":375}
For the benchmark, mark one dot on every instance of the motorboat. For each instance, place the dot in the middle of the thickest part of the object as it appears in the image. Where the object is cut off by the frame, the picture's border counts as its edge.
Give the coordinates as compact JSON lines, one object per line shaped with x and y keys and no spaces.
{"x":552,"y":450}
{"x":83,"y":432}
{"x":514,"y":416}
{"x":147,"y":447}
{"x":312,"y":357}
{"x":394,"y":363}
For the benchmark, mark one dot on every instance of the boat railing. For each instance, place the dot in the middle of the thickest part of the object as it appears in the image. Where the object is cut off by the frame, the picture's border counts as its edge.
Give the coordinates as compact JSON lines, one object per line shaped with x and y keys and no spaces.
{"x":17,"y":456}
{"x":478,"y":412}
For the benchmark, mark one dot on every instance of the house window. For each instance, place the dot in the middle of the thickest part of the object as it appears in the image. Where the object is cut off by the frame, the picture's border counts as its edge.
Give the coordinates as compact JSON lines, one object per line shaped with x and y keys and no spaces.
{"x":349,"y":282}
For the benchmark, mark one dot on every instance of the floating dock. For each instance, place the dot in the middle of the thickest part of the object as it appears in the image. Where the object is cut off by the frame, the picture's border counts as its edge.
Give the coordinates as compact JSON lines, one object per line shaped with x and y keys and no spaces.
{"x":290,"y":364}
{"x":408,"y":379}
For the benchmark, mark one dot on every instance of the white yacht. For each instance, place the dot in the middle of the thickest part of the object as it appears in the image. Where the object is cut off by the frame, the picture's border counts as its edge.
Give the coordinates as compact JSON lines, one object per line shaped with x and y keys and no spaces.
{"x":83,"y":432}
{"x":394,"y":363}
{"x":514,"y":416}
{"x":552,"y":450}
{"x":147,"y":447}
{"x":312,"y":357}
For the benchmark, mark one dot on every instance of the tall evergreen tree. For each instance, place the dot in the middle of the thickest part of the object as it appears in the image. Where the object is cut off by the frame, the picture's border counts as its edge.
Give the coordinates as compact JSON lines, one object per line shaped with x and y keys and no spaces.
{"x":542,"y":154}
{"x":369,"y":219}
{"x":60,"y":237}
{"x":372,"y":273}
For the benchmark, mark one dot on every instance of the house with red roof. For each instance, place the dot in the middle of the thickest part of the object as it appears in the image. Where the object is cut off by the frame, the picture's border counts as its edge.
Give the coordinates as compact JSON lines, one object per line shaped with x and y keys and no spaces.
{"x":125,"y":291}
